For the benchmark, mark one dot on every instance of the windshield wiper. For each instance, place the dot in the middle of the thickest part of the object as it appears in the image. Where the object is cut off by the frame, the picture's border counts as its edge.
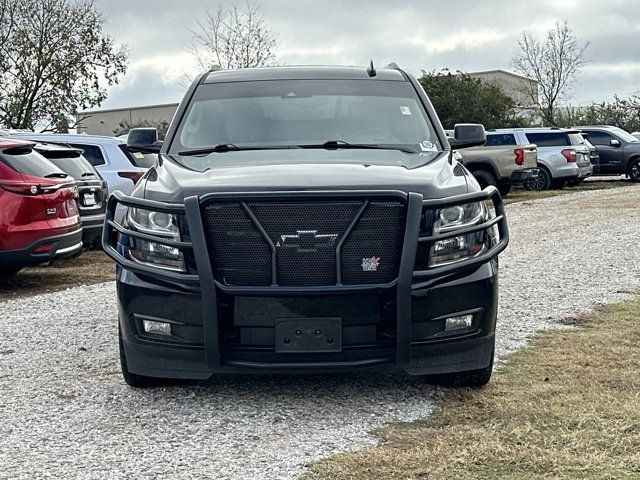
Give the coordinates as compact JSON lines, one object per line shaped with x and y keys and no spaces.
{"x":230,"y":147}
{"x":336,"y":144}
{"x":56,"y":175}
{"x":87,"y":174}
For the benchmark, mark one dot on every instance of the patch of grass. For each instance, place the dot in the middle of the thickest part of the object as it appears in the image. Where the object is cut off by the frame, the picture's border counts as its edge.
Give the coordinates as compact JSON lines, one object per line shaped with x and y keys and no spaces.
{"x":567,"y":406}
{"x":89,"y":268}
{"x":519,"y":194}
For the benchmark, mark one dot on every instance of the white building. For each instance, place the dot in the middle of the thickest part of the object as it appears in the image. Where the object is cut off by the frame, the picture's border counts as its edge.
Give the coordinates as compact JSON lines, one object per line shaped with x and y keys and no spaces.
{"x":106,"y":122}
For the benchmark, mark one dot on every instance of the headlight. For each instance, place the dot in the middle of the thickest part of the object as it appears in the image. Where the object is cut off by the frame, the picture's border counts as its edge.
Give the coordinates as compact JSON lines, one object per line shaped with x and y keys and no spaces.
{"x":153,"y":223}
{"x":154,"y":253}
{"x":464,"y":246}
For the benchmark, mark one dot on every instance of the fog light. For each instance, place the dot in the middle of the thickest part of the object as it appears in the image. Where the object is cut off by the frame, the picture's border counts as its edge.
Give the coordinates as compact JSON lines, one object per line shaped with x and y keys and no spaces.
{"x":463,"y":321}
{"x":158,"y":328}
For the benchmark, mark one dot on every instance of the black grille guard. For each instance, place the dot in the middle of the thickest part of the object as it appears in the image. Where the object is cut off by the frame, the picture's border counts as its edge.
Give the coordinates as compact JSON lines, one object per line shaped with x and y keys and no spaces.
{"x":408,"y":278}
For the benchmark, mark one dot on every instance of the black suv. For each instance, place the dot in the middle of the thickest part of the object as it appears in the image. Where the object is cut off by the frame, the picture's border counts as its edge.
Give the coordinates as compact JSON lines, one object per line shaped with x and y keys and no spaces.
{"x":307,"y":219}
{"x":92,"y":189}
{"x":619,"y":151}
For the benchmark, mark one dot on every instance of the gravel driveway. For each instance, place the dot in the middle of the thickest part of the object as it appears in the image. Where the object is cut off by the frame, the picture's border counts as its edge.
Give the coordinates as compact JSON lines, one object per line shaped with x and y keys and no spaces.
{"x":65,"y":412}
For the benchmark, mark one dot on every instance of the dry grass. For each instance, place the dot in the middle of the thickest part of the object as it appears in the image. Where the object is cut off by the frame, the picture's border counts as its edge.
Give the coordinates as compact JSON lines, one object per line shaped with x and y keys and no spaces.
{"x":519,"y":194}
{"x":89,"y":268}
{"x":568,"y":406}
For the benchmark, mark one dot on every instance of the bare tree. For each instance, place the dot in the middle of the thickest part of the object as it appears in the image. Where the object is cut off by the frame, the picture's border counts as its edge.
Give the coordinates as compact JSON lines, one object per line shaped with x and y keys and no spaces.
{"x":235,"y":37}
{"x":554,"y":63}
{"x":7,"y":10}
{"x":56,"y":60}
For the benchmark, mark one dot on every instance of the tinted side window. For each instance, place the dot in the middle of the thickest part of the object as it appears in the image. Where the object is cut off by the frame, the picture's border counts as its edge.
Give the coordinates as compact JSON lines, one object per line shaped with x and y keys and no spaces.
{"x":600,"y":138}
{"x":497,"y":139}
{"x":549,"y":139}
{"x":92,"y":153}
{"x":143,"y":160}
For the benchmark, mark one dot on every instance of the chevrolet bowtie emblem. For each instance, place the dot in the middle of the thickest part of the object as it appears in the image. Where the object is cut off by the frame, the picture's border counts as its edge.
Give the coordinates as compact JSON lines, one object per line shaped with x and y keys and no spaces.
{"x":307,"y":241}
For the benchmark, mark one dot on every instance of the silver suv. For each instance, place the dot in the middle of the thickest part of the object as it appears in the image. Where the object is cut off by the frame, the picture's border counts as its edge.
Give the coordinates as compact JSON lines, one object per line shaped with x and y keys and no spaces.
{"x":563,"y":155}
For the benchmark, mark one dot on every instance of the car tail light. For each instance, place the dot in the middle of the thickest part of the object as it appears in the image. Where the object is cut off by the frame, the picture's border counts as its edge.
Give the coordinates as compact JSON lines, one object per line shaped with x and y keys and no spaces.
{"x":20,"y":188}
{"x":519,"y":156}
{"x":569,"y":154}
{"x":133,"y":176}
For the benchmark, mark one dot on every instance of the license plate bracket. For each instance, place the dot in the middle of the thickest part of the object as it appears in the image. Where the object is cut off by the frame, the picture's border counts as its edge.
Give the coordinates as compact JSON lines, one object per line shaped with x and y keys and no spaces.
{"x":308,"y":335}
{"x":89,"y":199}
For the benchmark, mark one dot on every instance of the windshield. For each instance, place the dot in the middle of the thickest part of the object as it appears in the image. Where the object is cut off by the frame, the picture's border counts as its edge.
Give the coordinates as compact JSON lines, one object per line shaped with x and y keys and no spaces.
{"x":623,"y":135}
{"x":295,"y":113}
{"x":74,"y":165}
{"x":28,"y":161}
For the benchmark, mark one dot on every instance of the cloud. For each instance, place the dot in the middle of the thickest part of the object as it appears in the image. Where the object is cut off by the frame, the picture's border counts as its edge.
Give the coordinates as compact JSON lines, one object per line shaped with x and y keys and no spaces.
{"x":417,"y":34}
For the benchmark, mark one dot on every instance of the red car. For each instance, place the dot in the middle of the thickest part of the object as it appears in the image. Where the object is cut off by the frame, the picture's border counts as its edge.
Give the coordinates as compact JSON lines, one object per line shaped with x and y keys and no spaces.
{"x":39,"y":218}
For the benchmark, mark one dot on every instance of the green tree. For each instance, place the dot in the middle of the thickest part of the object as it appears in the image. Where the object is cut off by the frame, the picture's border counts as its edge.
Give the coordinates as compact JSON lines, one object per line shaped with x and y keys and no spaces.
{"x":55,"y":60}
{"x":623,"y":113}
{"x":460,"y":98}
{"x":124,"y":126}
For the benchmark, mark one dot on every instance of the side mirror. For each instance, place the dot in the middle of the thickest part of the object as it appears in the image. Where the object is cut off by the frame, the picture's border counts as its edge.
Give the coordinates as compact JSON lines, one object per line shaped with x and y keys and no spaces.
{"x":144,"y":140}
{"x":468,"y":135}
{"x":614,"y":143}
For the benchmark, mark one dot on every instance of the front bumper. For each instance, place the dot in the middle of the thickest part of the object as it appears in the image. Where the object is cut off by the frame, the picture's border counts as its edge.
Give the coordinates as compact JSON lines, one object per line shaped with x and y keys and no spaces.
{"x":412,"y":337}
{"x":63,"y":246}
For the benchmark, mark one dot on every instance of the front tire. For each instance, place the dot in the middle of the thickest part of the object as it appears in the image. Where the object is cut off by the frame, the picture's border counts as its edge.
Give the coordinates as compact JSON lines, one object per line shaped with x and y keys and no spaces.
{"x":634,"y":170}
{"x":132,"y":379}
{"x":469,"y":379}
{"x":539,"y":183}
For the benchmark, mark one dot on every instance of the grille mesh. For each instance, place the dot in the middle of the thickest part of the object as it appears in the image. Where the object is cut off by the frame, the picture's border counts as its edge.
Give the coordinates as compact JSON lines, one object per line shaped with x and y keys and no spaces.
{"x":238,"y":253}
{"x":378,"y":233}
{"x":305,"y":234}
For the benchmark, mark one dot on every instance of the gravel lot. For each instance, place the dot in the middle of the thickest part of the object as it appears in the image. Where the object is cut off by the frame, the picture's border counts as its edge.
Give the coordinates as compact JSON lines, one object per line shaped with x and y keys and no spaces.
{"x":64,"y":411}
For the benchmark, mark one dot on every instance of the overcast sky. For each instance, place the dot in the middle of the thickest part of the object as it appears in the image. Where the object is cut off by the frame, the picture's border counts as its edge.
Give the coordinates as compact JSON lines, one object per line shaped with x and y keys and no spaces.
{"x":467,"y":35}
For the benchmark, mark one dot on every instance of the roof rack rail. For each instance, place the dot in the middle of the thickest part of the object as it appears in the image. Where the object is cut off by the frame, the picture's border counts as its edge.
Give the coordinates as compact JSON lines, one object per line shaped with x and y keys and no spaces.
{"x":215,"y":68}
{"x":393,"y":65}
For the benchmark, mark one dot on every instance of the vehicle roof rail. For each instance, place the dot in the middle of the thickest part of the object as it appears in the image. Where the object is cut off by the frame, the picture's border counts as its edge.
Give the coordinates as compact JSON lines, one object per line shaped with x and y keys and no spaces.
{"x":393,"y":65}
{"x":215,"y":68}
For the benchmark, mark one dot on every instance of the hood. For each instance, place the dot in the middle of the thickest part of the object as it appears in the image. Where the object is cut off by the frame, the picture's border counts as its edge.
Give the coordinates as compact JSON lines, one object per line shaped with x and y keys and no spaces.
{"x":432,"y":175}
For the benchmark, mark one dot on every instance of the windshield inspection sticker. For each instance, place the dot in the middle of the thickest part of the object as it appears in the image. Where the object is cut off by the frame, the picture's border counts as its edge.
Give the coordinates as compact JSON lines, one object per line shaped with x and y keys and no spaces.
{"x":405,"y":110}
{"x":427,"y":146}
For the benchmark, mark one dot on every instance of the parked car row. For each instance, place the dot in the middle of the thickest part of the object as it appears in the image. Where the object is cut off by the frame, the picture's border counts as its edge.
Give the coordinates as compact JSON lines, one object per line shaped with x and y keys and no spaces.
{"x":549,"y":157}
{"x":54,"y":190}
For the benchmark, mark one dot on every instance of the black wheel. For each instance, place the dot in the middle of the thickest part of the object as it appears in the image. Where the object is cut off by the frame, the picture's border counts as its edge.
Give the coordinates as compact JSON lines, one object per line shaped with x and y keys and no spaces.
{"x":634,"y":170}
{"x":504,"y":189}
{"x":541,"y":182}
{"x":472,"y":378}
{"x":558,"y":184}
{"x":485,"y":178}
{"x":132,"y":379}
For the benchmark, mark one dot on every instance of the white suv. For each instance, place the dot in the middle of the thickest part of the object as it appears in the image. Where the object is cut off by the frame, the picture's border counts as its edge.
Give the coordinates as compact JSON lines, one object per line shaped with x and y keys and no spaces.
{"x":563,"y":155}
{"x":109,"y":156}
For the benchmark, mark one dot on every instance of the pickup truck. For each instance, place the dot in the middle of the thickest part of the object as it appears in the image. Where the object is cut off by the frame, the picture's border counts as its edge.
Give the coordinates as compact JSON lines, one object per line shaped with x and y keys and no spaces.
{"x":307,"y":220}
{"x":500,"y":162}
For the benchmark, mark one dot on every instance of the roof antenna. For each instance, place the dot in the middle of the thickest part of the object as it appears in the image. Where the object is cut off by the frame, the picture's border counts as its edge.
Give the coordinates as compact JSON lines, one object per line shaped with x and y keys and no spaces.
{"x":371,"y":71}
